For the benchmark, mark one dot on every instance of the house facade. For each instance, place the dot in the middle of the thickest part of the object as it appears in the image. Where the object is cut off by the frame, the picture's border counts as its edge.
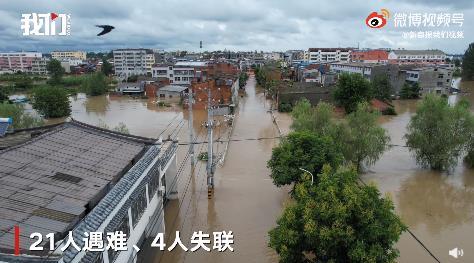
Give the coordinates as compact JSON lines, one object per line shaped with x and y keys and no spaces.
{"x":420,"y":57}
{"x":315,"y":55}
{"x":18,"y":61}
{"x":129,"y":62}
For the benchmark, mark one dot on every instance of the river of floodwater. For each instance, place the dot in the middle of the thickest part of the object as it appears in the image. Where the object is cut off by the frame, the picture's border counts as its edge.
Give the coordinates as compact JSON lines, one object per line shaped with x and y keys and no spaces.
{"x":437,"y":207}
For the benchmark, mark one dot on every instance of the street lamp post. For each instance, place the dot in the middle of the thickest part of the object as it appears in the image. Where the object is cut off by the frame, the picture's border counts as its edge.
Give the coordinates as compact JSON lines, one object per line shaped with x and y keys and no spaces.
{"x":312,"y":177}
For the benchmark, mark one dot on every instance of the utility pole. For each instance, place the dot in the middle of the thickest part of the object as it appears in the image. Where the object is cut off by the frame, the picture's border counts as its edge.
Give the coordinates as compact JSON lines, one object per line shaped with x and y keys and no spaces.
{"x":209,"y":168}
{"x":191,"y":129}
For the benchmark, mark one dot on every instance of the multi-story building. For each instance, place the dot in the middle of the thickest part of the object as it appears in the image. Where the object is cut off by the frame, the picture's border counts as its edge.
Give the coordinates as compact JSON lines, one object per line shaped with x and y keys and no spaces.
{"x":424,"y":57}
{"x":355,"y":67}
{"x":316,"y":55}
{"x":128,"y":62}
{"x":432,"y":79}
{"x":17,"y":61}
{"x":223,"y":89}
{"x":180,"y":73}
{"x":60,"y":55}
{"x":369,"y":56}
{"x":294,"y":55}
{"x":38,"y":66}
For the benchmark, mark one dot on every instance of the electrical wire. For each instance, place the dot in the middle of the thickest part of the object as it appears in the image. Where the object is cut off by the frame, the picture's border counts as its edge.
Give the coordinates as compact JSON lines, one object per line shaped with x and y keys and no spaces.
{"x":413,"y":235}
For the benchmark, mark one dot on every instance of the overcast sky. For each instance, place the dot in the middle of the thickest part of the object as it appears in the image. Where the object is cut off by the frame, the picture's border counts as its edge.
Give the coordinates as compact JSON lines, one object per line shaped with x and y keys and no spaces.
{"x":267,"y":25}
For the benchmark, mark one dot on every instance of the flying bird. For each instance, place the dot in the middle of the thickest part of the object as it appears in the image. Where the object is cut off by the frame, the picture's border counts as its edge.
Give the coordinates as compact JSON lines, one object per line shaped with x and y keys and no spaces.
{"x":106,"y":30}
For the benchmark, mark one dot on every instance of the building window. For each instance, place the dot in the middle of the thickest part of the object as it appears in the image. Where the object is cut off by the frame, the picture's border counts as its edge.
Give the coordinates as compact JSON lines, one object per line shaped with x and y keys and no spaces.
{"x":138,"y":207}
{"x":153,"y":185}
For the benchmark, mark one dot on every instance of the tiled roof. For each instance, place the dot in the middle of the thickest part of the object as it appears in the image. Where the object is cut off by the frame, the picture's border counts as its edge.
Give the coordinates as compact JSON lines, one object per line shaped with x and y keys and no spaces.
{"x":48,"y":183}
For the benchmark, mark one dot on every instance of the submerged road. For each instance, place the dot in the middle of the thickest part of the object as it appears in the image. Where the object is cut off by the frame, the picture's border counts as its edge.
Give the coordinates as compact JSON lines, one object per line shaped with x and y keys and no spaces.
{"x":245,"y":200}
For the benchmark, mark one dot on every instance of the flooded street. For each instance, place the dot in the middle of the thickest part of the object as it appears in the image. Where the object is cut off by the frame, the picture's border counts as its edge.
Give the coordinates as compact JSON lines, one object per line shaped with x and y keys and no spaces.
{"x":437,"y":207}
{"x":245,"y":199}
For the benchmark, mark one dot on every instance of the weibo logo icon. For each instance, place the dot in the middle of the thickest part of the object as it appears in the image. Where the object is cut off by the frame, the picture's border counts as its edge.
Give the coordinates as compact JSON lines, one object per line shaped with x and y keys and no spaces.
{"x":376,"y":20}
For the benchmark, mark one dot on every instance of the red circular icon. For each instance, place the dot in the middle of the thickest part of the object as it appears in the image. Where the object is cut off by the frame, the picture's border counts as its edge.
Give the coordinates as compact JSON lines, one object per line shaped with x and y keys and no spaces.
{"x":375,"y":20}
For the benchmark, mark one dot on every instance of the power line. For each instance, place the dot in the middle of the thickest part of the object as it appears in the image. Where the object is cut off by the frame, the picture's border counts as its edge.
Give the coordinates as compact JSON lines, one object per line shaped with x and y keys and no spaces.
{"x":184,"y":194}
{"x":413,"y":235}
{"x":169,"y":124}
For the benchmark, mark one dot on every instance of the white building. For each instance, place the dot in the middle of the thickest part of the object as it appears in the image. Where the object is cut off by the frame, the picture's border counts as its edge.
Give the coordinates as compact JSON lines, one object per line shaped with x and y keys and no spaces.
{"x":38,"y":66}
{"x":181,"y":73}
{"x":17,"y":61}
{"x":354,"y":67}
{"x":317,"y":55}
{"x":426,"y":57}
{"x":130,"y":62}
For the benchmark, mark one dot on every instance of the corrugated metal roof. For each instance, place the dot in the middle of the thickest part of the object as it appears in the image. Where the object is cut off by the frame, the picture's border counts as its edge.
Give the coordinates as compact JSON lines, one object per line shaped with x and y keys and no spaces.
{"x":173,"y":88}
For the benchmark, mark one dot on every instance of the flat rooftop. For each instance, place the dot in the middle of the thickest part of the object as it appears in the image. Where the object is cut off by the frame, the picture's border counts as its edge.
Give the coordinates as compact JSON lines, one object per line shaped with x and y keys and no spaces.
{"x":51,"y":181}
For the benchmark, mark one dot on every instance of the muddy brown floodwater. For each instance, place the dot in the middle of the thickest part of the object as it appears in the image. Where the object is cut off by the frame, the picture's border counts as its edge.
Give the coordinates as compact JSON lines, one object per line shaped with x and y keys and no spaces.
{"x":437,"y":207}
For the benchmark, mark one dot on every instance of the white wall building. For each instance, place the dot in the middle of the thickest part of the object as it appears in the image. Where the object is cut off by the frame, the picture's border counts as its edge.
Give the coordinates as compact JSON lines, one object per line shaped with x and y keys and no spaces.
{"x":17,"y":61}
{"x":426,"y":57}
{"x":181,"y":73}
{"x":130,"y":62}
{"x":38,"y":66}
{"x":317,"y":55}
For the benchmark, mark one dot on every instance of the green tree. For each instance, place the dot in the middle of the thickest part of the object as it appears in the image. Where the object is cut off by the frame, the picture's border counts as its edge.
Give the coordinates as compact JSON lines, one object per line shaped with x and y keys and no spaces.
{"x":337,"y":220}
{"x":23,"y":83}
{"x":21,"y":119}
{"x":51,"y":102}
{"x":243,"y":77}
{"x":3,"y":94}
{"x":56,"y":71}
{"x":132,"y":78}
{"x":351,"y":90}
{"x":382,"y":88}
{"x":438,"y":133}
{"x":301,"y":150}
{"x":457,"y":62}
{"x":468,"y":63}
{"x":366,"y":141}
{"x":106,"y":67}
{"x":316,"y":119}
{"x":95,"y":84}
{"x":410,"y":91}
{"x":359,"y":138}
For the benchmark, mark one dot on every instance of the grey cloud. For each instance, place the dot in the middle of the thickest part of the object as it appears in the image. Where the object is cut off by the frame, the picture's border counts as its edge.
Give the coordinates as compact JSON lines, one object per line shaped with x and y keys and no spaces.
{"x":238,"y":24}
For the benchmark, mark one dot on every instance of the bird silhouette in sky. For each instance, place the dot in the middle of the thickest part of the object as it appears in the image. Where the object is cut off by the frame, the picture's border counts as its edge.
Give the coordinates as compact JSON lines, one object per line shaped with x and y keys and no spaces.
{"x":106,"y":30}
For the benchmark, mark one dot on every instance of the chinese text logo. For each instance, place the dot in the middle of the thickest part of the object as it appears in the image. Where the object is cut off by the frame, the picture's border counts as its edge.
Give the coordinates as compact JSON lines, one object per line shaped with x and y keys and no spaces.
{"x":376,"y":20}
{"x":51,"y":24}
